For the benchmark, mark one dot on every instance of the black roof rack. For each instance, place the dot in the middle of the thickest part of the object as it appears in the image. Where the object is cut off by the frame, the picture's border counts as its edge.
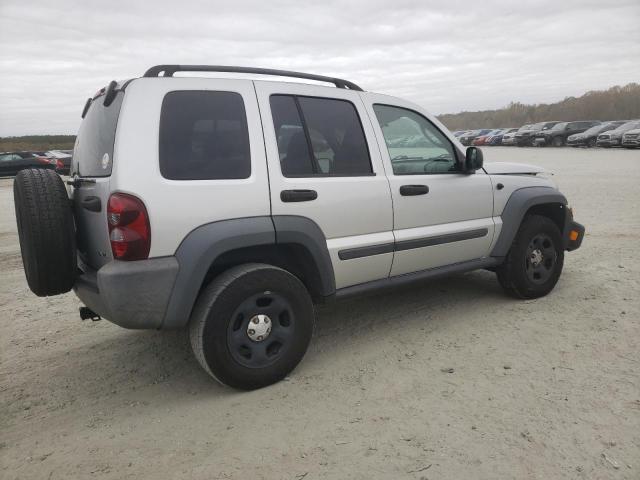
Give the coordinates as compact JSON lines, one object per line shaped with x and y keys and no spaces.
{"x":169,"y":70}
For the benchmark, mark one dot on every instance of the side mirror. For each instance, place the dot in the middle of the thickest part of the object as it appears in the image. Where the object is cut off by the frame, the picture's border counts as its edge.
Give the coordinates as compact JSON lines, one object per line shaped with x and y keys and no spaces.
{"x":473,"y":160}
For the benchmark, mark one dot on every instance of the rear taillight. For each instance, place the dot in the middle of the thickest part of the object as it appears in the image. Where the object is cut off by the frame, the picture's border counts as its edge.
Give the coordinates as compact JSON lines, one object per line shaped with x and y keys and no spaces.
{"x":129,"y":230}
{"x":59,"y":164}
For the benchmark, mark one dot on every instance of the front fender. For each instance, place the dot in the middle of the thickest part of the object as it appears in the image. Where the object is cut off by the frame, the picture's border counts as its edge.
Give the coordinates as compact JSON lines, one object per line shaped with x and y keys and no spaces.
{"x":519,"y":203}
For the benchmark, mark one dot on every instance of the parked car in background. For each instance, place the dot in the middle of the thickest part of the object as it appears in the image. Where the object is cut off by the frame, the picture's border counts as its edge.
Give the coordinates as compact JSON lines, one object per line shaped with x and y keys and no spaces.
{"x":613,"y":138}
{"x":524,"y":138}
{"x":482,"y":139}
{"x":631,"y":138}
{"x":468,"y":137}
{"x":12,"y":162}
{"x":62,"y":159}
{"x":457,"y":133}
{"x":588,"y":137}
{"x":510,"y":138}
{"x":497,"y":139}
{"x":557,"y":135}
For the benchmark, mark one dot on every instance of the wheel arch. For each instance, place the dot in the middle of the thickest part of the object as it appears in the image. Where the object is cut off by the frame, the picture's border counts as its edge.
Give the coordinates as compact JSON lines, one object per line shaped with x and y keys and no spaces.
{"x":545,"y":201}
{"x":293,"y":243}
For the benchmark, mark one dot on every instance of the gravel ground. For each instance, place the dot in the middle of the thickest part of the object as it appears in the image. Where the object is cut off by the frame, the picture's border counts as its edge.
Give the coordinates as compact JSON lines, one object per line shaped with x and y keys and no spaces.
{"x":448,"y":379}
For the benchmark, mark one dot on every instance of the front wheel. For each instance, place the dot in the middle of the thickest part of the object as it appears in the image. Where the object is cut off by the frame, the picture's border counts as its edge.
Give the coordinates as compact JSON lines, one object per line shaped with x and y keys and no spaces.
{"x":534,"y":262}
{"x":591,"y":143}
{"x":251,"y":326}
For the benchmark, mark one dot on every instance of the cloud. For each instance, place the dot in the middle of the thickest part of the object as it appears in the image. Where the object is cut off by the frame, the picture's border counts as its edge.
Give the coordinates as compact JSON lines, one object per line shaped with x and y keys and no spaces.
{"x":446,"y":56}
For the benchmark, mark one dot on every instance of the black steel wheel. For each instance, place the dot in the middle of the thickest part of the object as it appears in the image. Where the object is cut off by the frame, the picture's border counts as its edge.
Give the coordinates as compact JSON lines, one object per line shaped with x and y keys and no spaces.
{"x":251,"y":325}
{"x":540,"y":258}
{"x":535,"y":260}
{"x":261,"y":329}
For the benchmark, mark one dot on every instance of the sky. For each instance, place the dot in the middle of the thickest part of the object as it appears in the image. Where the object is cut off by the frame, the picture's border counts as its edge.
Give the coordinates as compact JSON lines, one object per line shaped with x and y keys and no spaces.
{"x":446,"y":56}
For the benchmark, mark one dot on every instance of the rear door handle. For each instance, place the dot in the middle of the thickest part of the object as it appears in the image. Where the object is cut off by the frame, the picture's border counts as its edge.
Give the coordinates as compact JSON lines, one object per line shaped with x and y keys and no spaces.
{"x":93,"y":204}
{"x":298,"y":195}
{"x":412,"y":190}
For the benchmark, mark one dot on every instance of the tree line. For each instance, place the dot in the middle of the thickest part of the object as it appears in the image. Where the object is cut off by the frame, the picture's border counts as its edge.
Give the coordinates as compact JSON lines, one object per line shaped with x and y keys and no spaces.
{"x":616,"y":103}
{"x":37,"y":143}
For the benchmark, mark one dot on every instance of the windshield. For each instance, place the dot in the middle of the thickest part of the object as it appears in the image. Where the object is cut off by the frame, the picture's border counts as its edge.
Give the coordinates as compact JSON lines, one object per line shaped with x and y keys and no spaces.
{"x":628,"y":126}
{"x":536,"y":127}
{"x":599,"y":128}
{"x":559,"y":126}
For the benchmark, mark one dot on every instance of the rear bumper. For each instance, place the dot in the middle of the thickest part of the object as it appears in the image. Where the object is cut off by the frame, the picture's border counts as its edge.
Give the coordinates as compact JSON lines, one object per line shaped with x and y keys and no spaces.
{"x":130,"y":294}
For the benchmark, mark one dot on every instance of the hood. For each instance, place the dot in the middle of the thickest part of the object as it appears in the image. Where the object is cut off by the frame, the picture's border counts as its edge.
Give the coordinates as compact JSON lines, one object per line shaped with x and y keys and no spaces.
{"x":505,"y":168}
{"x":635,"y":131}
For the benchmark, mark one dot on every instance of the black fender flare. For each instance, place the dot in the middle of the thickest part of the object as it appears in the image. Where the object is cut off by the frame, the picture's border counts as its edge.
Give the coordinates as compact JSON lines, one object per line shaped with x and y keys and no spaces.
{"x":200,"y":248}
{"x":519,"y":203}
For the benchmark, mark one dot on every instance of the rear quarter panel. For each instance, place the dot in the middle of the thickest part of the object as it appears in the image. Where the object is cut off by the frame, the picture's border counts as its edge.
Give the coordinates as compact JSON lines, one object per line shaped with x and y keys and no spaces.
{"x":176,"y":207}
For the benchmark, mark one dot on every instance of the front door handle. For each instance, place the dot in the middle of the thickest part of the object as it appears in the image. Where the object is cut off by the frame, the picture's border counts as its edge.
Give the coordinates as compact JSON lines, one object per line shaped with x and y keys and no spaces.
{"x":298,"y":195}
{"x":412,"y":190}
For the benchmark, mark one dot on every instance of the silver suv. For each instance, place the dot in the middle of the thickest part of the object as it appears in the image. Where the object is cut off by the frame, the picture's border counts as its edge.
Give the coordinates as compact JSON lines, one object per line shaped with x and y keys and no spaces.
{"x":231,"y":206}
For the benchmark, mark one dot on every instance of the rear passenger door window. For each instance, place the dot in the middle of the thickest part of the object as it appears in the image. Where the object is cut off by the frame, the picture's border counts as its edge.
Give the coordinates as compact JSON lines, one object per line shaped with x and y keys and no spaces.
{"x":319,"y":137}
{"x":204,"y":136}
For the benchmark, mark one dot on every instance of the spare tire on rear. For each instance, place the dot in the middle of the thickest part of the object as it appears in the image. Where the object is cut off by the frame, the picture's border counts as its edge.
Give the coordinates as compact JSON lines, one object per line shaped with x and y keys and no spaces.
{"x":46,"y":231}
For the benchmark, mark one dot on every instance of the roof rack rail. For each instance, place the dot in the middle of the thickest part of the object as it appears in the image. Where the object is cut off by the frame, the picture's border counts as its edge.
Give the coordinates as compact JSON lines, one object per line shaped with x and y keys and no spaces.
{"x":169,"y":70}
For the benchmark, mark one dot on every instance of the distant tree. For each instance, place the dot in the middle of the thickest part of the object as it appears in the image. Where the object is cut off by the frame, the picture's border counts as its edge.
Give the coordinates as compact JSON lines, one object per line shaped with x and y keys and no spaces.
{"x":37,"y":143}
{"x":616,"y":103}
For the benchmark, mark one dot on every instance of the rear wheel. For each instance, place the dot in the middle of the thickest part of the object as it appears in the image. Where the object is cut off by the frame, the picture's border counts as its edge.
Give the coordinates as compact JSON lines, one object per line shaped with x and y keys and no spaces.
{"x":534,"y":262}
{"x":591,"y":143}
{"x":46,"y":231}
{"x":251,"y":326}
{"x":557,"y":141}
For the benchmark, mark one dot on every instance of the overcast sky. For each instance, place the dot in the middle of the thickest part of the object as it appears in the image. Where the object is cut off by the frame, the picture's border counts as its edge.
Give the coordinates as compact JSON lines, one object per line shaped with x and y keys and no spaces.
{"x":447,"y":56}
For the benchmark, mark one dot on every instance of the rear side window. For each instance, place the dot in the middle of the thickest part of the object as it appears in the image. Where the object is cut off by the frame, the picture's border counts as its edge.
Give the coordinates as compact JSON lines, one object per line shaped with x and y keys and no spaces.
{"x":93,"y":150}
{"x":204,"y":136}
{"x":319,"y":137}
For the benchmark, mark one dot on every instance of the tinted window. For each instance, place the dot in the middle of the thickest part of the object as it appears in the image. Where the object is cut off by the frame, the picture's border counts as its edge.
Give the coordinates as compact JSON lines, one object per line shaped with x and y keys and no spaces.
{"x":319,"y":136}
{"x":415,"y":145}
{"x":94,"y":146}
{"x":204,"y":136}
{"x":295,"y":157}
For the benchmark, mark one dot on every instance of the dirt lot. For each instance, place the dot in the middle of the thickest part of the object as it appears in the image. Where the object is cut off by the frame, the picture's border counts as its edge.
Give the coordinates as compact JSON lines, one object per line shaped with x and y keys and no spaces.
{"x":445,"y":380}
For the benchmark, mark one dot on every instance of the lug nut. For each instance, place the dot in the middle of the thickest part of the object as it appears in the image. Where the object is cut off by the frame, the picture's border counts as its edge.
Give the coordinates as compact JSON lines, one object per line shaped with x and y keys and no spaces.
{"x":255,"y":320}
{"x":266,"y":320}
{"x":251,"y":332}
{"x":259,"y":337}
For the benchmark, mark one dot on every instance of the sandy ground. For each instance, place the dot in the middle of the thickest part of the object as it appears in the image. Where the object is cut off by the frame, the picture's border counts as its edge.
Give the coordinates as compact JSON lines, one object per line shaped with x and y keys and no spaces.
{"x":538,"y":389}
